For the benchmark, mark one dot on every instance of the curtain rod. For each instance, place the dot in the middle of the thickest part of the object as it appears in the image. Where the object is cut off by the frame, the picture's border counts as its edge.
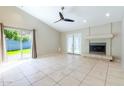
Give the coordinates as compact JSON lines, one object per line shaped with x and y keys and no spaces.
{"x":18,"y":28}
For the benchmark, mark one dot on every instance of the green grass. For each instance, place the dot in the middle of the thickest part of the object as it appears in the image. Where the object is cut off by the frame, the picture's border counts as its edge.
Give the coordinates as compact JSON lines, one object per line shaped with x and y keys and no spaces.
{"x":15,"y":52}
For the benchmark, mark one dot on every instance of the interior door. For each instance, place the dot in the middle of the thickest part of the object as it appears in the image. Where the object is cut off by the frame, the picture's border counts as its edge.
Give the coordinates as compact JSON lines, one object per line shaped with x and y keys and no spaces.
{"x":70,"y":44}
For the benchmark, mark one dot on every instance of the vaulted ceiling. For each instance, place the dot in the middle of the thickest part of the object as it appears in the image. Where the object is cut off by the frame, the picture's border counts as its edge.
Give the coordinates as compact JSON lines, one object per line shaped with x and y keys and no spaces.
{"x":84,"y":16}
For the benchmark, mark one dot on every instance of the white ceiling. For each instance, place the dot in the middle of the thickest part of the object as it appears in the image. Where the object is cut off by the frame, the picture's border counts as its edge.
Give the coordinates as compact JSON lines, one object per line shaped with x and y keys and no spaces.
{"x":95,"y":15}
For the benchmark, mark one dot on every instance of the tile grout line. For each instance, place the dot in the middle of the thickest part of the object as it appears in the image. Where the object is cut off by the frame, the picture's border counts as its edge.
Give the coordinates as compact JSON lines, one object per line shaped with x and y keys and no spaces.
{"x":106,"y":74}
{"x":57,"y":82}
{"x":25,"y":77}
{"x":43,"y":78}
{"x":46,"y":75}
{"x":64,"y":77}
{"x":52,"y":79}
{"x":87,"y":74}
{"x":29,"y":81}
{"x":29,"y":75}
{"x":38,"y":80}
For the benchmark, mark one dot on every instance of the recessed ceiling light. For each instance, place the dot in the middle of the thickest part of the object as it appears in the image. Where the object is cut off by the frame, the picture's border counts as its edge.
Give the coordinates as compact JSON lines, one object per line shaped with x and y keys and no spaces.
{"x":107,"y":14}
{"x":85,"y":21}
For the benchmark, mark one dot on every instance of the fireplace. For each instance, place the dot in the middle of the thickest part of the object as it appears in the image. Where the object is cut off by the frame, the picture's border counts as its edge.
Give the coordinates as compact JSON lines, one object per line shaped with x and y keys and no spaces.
{"x":97,"y":48}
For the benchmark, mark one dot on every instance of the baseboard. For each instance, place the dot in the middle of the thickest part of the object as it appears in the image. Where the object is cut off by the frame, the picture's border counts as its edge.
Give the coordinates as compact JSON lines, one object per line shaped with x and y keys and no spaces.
{"x":48,"y":54}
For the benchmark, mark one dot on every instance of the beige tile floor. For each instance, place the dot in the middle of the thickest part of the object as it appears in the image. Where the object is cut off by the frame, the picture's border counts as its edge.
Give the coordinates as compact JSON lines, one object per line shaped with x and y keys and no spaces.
{"x":63,"y":70}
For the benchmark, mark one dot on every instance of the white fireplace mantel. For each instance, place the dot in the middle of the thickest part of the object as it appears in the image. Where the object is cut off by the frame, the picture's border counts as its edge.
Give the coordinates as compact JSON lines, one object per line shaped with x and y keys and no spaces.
{"x":100,"y":38}
{"x":103,"y":36}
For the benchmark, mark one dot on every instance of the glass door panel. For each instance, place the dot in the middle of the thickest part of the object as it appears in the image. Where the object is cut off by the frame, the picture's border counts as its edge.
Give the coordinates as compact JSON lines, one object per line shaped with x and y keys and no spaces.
{"x":70,"y":44}
{"x":77,"y":44}
{"x":12,"y":42}
{"x":74,"y":43}
{"x":26,"y":44}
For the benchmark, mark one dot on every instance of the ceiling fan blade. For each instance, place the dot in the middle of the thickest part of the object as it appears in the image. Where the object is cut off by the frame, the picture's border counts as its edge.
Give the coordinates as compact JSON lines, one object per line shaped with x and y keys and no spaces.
{"x":57,"y":21}
{"x":69,"y":20}
{"x":61,"y":16}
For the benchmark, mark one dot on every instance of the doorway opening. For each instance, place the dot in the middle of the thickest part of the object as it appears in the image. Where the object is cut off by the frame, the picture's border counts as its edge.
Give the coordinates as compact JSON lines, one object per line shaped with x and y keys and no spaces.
{"x":74,"y":43}
{"x":17,"y":44}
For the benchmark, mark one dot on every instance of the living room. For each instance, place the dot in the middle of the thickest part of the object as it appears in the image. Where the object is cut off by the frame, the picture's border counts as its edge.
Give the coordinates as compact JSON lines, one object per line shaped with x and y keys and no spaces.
{"x":68,"y":47}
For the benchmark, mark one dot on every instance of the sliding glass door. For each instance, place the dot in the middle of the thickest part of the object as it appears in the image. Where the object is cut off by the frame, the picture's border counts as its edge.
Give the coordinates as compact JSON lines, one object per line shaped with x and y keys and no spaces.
{"x":77,"y":43}
{"x":17,"y":44}
{"x":26,"y":44}
{"x":70,"y":44}
{"x":12,"y":43}
{"x":74,"y":43}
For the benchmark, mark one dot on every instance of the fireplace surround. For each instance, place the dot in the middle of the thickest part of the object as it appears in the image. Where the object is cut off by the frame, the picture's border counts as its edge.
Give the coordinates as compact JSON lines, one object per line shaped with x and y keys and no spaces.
{"x":97,"y":48}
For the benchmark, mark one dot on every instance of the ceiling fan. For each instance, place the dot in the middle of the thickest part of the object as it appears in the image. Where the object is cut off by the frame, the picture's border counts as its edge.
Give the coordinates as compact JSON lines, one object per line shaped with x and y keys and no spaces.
{"x":62,"y":17}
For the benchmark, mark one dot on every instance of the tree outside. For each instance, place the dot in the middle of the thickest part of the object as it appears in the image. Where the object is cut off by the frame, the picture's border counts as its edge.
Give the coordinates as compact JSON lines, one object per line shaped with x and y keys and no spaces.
{"x":13,"y":39}
{"x":14,"y":35}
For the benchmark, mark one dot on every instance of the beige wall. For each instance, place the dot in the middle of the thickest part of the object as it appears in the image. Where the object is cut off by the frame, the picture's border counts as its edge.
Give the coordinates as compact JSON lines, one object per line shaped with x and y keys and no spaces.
{"x":0,"y":48}
{"x":122,"y":43}
{"x":98,"y":30}
{"x":47,"y":37}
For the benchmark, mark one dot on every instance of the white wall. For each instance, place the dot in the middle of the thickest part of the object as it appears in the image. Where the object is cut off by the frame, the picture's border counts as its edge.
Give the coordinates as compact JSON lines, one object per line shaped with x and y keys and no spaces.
{"x":98,"y":30}
{"x":47,"y":38}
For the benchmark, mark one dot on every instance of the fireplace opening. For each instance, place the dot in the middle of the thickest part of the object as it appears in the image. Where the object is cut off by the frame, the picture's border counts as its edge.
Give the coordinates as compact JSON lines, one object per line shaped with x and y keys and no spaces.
{"x":97,"y":48}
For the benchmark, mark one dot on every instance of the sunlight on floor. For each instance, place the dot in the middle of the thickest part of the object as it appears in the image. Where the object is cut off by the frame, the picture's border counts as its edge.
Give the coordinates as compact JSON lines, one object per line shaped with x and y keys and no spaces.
{"x":5,"y":66}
